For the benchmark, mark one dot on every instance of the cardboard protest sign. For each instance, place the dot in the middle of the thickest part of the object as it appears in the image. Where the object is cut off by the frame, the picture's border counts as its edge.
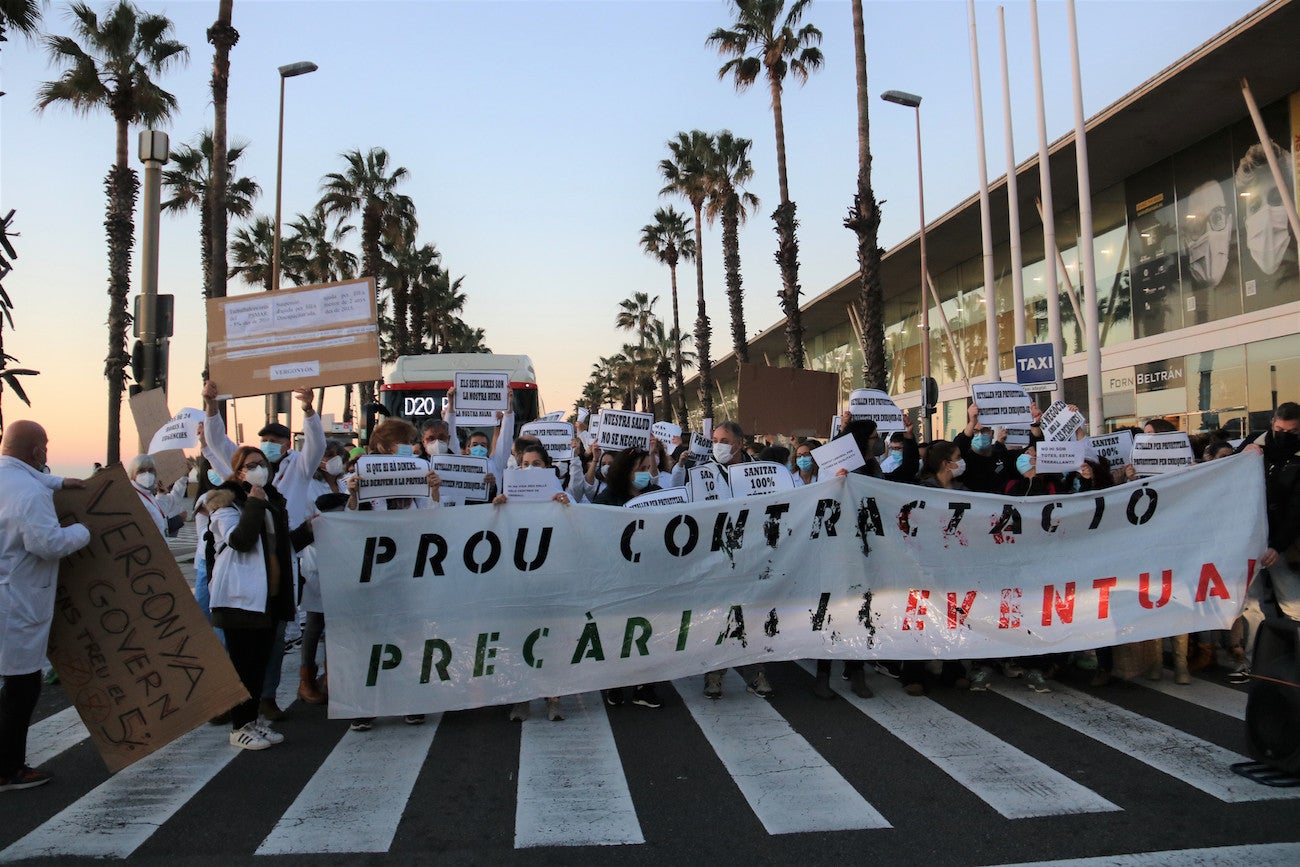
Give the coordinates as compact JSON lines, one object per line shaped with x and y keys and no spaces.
{"x":665,"y":431}
{"x":1114,"y":447}
{"x":462,"y":479}
{"x":182,"y":432}
{"x":666,"y":497}
{"x":841,"y":453}
{"x":530,"y":483}
{"x":1059,"y":457}
{"x":382,"y":476}
{"x":487,"y":392}
{"x":701,"y":445}
{"x":752,"y":478}
{"x":556,"y":437}
{"x":1060,"y":423}
{"x":305,"y":337}
{"x":874,"y":405}
{"x":1002,"y":403}
{"x":707,"y":482}
{"x":785,"y":399}
{"x":620,"y":430}
{"x":149,"y":408}
{"x":1158,"y":453}
{"x":133,"y":650}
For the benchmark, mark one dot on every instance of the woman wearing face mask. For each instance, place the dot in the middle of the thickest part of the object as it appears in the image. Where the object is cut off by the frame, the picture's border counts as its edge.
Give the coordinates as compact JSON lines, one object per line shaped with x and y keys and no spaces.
{"x":325,"y":482}
{"x":393,"y":436}
{"x":805,"y":466}
{"x":592,"y":480}
{"x":252,"y":582}
{"x":944,"y":467}
{"x":144,"y":478}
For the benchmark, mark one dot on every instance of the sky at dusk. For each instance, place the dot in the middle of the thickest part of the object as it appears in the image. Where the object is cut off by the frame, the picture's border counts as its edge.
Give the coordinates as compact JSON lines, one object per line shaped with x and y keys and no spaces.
{"x":532,"y":132}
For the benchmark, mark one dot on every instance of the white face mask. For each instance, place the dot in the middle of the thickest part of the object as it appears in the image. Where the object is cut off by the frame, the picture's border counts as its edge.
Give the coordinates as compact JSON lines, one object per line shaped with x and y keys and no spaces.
{"x":437,"y":447}
{"x":722,"y":453}
{"x":334,"y":466}
{"x":1267,"y":234}
{"x":146,"y":480}
{"x":960,"y":468}
{"x":256,"y":477}
{"x":1207,"y":253}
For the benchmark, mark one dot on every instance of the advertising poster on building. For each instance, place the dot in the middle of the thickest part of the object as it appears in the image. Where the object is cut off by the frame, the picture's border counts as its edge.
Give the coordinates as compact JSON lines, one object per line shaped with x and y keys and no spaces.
{"x":1207,"y":231}
{"x":1153,"y":250}
{"x":1269,"y":271}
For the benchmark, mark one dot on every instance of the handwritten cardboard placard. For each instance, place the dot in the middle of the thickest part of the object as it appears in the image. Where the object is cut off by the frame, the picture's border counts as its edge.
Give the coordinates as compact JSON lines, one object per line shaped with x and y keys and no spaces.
{"x":524,"y":484}
{"x":1158,"y":453}
{"x":841,"y":453}
{"x":1060,"y":423}
{"x":487,"y":392}
{"x":1114,"y":447}
{"x":618,"y":430}
{"x":875,"y":405}
{"x":305,"y":337}
{"x":707,"y":482}
{"x":556,"y":437}
{"x":666,"y":497}
{"x":1002,"y":403}
{"x":1059,"y":457}
{"x":462,"y":479}
{"x":134,"y":652}
{"x":149,"y":409}
{"x":752,"y":478}
{"x":384,"y":476}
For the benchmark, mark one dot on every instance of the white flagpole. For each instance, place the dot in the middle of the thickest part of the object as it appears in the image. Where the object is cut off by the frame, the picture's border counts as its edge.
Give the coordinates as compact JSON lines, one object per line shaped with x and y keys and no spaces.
{"x":1050,"y":288}
{"x":1013,"y":193}
{"x":1087,"y":265}
{"x":986,"y":223}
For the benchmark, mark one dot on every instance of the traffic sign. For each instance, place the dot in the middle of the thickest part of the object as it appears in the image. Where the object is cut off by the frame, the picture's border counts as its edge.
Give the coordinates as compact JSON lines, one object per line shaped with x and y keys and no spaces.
{"x":1036,"y":366}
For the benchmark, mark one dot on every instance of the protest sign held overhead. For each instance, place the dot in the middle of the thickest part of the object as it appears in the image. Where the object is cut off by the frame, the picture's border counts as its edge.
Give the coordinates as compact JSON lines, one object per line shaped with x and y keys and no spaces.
{"x":618,"y":430}
{"x":462,"y":479}
{"x":558,"y":415}
{"x":658,"y":499}
{"x":305,"y":337}
{"x":182,"y":432}
{"x":752,"y":478}
{"x":556,"y":437}
{"x":1158,"y":453}
{"x":874,"y":405}
{"x":701,"y":446}
{"x":149,"y":409}
{"x":1060,"y":422}
{"x":479,"y":393}
{"x":665,"y":432}
{"x":707,"y":482}
{"x":382,"y":476}
{"x":131,"y":646}
{"x":1002,"y":403}
{"x":841,"y":453}
{"x":1114,"y":447}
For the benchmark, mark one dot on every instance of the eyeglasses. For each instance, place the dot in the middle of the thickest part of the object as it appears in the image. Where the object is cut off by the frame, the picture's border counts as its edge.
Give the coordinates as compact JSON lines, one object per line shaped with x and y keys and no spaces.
{"x":253,"y":465}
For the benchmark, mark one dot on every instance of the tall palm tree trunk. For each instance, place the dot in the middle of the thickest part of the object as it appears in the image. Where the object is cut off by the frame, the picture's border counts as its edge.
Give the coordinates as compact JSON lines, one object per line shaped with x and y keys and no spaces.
{"x":735,"y":287}
{"x":223,"y":37}
{"x":122,"y":187}
{"x":680,"y":379}
{"x":864,"y":220}
{"x":787,"y":249}
{"x":702,"y":321}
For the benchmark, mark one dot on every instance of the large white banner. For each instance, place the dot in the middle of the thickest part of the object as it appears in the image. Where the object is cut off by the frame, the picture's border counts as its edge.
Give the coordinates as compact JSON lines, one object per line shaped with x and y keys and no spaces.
{"x":448,"y":609}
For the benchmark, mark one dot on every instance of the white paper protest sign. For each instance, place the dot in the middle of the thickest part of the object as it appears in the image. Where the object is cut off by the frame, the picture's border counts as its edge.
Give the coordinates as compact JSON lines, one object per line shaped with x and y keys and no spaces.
{"x":488,"y":391}
{"x":556,"y":437}
{"x":466,"y":418}
{"x":1060,"y":423}
{"x":1018,"y":437}
{"x":874,"y":405}
{"x":558,"y":415}
{"x":1158,"y":453}
{"x":619,"y":429}
{"x":182,"y":432}
{"x":462,"y":479}
{"x":1114,"y":447}
{"x":530,"y":484}
{"x":836,"y":421}
{"x":1002,"y":403}
{"x":384,"y":476}
{"x":586,"y":438}
{"x":1059,"y":457}
{"x":666,"y":497}
{"x":752,"y":478}
{"x":841,"y":453}
{"x":583,"y":415}
{"x":707,"y":482}
{"x":665,"y":431}
{"x":701,"y":446}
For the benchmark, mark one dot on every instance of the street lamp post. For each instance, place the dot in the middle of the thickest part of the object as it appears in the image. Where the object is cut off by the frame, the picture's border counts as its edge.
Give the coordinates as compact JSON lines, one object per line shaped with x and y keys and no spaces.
{"x":911,"y":100}
{"x":288,"y":71}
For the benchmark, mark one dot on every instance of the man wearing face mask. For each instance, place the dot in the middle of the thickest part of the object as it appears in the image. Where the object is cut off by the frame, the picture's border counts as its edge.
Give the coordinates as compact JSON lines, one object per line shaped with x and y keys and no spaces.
{"x":435,"y":436}
{"x":1280,"y":446}
{"x":1268,"y":237}
{"x":986,"y":458}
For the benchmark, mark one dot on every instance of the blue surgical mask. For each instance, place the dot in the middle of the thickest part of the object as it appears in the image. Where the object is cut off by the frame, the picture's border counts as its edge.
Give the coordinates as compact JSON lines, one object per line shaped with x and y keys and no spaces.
{"x":981,"y":441}
{"x":405,"y":450}
{"x":1024,"y":463}
{"x":272,"y":451}
{"x":891,"y":463}
{"x":478,"y":451}
{"x":641,"y":480}
{"x":804,"y":463}
{"x":214,"y":479}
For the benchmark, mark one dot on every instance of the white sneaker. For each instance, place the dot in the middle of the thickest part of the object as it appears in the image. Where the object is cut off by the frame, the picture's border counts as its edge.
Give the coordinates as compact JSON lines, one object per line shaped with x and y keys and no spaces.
{"x":264,"y":729}
{"x":248,"y":738}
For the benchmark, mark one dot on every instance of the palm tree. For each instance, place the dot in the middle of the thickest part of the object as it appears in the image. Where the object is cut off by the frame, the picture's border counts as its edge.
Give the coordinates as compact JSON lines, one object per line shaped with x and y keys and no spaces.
{"x":223,"y":36}
{"x":20,"y":15}
{"x":190,"y":180}
{"x":443,"y":300}
{"x":663,"y":349}
{"x":9,"y":375}
{"x":637,"y":314}
{"x":313,"y":252}
{"x":114,"y":71}
{"x":729,"y":198}
{"x":763,"y":41}
{"x":603,"y":373}
{"x":688,"y":174}
{"x":668,"y":239}
{"x":466,"y":339}
{"x":426,"y":265}
{"x":253,"y":251}
{"x":864,"y":220}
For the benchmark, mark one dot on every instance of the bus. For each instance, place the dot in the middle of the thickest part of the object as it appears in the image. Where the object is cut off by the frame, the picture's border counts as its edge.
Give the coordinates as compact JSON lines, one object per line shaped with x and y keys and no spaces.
{"x":417,"y":387}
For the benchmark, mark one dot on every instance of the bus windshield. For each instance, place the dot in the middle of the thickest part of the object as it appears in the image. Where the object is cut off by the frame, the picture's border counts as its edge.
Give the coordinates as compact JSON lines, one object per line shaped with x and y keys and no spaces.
{"x":418,"y":404}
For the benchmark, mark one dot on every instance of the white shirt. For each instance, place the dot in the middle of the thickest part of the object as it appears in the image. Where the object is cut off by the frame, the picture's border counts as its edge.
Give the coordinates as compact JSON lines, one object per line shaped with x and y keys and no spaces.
{"x":31,"y":544}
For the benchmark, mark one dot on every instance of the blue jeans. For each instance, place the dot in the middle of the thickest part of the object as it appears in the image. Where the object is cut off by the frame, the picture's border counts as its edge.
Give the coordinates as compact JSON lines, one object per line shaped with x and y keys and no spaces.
{"x":202,"y":594}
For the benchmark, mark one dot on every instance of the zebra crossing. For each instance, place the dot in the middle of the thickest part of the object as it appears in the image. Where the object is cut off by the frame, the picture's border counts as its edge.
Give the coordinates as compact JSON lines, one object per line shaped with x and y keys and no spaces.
{"x":575,"y":782}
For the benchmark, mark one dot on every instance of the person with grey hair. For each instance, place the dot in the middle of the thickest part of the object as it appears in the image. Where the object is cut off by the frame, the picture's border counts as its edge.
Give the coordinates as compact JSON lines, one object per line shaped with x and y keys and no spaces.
{"x":143,"y":474}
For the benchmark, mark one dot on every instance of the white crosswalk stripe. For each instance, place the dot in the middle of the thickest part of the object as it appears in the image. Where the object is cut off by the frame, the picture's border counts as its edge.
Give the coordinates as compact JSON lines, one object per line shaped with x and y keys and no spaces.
{"x":1211,"y":696}
{"x":54,"y":734}
{"x":1262,"y":855}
